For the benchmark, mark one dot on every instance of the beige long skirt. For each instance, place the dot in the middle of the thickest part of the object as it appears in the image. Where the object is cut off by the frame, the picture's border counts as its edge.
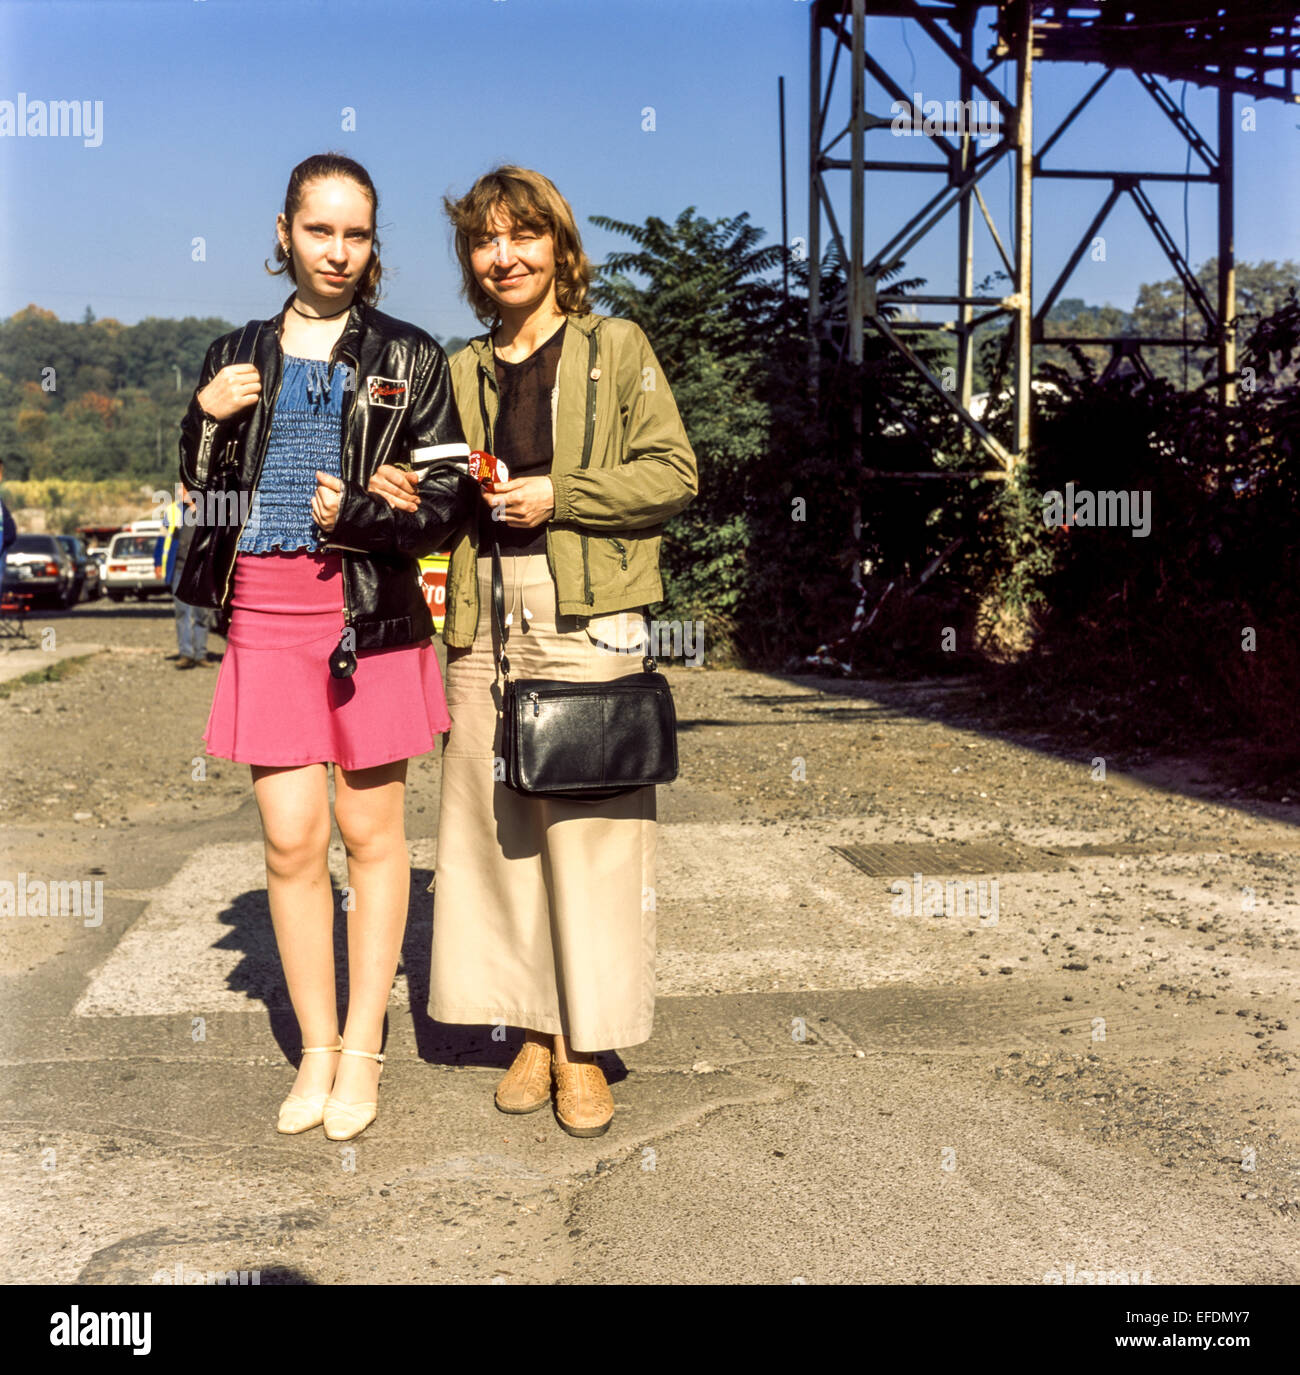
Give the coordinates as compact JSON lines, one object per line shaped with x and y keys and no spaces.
{"x":543,"y":912}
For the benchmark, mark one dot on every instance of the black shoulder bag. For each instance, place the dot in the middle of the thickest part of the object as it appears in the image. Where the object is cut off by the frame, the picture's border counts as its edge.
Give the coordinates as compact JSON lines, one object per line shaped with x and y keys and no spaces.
{"x":585,"y":741}
{"x":195,"y":577}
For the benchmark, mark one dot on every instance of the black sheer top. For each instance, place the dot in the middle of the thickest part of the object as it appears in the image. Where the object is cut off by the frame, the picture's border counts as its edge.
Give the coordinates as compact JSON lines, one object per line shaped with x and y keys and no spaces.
{"x":521,"y":437}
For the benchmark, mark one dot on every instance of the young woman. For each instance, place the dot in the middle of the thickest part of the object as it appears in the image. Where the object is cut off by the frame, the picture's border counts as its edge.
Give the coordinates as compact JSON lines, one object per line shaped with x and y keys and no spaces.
{"x":544,"y":908}
{"x":329,"y":657}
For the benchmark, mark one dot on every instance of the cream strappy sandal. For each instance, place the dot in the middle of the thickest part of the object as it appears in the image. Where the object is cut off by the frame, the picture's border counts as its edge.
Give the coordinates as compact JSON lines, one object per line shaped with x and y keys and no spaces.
{"x":300,"y":1112}
{"x":343,"y":1121}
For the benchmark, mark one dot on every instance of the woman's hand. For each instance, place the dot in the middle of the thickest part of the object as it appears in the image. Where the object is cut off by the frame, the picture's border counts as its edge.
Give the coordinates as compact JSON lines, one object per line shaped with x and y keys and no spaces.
{"x":235,"y":388}
{"x":396,"y":486}
{"x":523,"y":501}
{"x":325,"y":501}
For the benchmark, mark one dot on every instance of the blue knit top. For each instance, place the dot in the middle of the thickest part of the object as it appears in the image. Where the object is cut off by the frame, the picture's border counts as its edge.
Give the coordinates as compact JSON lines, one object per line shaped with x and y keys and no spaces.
{"x":306,"y":432}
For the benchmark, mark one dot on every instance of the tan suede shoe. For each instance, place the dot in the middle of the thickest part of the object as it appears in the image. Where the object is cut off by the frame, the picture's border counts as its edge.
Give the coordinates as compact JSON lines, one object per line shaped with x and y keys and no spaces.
{"x":583,"y":1105}
{"x":527,"y":1083}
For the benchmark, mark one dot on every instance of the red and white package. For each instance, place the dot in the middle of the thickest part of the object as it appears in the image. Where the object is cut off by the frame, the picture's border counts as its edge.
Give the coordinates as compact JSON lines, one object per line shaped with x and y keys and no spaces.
{"x":487,"y":470}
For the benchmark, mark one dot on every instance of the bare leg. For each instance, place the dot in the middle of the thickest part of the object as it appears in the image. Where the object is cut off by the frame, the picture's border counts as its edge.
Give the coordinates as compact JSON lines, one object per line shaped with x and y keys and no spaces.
{"x":294,"y":806}
{"x":368,"y":806}
{"x":564,"y":1053}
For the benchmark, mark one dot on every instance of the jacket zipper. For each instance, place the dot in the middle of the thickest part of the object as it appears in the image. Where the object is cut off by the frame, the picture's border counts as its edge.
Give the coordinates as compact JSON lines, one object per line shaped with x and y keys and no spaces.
{"x":210,"y":427}
{"x":261,"y":458}
{"x":555,"y":403}
{"x":487,"y":444}
{"x":588,"y":435}
{"x":589,"y":432}
{"x":482,"y":405}
{"x":345,"y":431}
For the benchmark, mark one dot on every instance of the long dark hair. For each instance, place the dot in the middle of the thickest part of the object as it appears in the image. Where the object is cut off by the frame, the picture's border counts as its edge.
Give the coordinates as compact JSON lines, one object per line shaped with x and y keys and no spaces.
{"x":314,"y":168}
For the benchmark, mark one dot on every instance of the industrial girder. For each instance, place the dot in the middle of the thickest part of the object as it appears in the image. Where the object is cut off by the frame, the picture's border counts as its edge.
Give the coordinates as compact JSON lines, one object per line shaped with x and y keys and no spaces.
{"x":1171,"y":39}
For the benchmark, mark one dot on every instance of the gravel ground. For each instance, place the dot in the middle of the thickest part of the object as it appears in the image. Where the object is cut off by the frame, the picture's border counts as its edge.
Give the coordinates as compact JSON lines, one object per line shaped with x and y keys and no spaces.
{"x":1179,"y":930}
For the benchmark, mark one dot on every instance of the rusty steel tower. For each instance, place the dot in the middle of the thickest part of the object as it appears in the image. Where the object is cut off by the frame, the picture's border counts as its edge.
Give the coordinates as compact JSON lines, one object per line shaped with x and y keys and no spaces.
{"x":1250,"y":48}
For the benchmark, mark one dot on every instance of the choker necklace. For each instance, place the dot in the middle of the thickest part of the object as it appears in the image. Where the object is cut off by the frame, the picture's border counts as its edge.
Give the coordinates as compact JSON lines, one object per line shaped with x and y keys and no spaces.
{"x":293,"y":305}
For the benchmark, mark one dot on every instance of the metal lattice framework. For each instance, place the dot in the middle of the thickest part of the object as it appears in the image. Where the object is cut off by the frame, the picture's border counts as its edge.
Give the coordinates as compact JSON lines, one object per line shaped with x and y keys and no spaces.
{"x":1256,"y":53}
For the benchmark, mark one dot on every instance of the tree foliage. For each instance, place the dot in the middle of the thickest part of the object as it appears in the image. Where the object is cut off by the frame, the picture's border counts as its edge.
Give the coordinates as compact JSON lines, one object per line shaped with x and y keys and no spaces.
{"x":793,"y":538}
{"x":96,"y":398}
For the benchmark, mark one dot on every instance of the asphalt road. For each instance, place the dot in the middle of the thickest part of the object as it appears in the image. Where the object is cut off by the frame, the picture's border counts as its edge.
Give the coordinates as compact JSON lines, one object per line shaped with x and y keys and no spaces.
{"x":841,"y":1087}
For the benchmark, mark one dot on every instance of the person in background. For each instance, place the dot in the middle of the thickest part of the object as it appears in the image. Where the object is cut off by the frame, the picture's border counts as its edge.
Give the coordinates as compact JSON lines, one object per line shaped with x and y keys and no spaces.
{"x":8,"y":530}
{"x":191,"y":621}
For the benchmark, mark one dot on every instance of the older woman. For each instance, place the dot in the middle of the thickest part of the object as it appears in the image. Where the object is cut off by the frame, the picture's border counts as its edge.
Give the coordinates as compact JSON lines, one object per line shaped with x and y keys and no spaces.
{"x":544,"y":914}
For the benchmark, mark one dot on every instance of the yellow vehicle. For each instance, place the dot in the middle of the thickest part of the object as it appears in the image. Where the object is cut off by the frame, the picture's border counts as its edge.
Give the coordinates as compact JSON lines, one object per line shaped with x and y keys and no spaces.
{"x":433,"y":583}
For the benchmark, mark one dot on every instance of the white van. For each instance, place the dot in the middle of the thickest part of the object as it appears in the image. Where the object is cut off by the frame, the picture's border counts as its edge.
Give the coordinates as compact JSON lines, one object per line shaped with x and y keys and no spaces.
{"x":129,"y":566}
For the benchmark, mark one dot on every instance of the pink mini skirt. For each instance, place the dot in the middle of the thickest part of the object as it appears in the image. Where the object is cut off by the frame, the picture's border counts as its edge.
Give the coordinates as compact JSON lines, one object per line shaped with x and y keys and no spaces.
{"x":275,"y":701}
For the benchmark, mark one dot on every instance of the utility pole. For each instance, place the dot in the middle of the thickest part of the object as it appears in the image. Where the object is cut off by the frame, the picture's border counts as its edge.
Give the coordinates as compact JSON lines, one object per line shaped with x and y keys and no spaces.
{"x":785,"y":225}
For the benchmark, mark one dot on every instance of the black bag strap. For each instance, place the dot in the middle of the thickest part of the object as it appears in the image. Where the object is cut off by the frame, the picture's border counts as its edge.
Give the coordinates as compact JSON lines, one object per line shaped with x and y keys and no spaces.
{"x":247,"y":341}
{"x":244,"y":351}
{"x":499,"y":607}
{"x":498,"y":582}
{"x":502,"y":632}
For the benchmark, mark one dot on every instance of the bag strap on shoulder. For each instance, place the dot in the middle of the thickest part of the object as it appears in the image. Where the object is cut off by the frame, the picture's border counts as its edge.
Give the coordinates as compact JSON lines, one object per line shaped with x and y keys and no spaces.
{"x":247,"y":341}
{"x":499,"y":608}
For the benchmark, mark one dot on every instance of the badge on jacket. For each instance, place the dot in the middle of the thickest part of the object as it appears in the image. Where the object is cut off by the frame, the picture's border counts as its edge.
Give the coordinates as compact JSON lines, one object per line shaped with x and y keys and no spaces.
{"x":387,"y":391}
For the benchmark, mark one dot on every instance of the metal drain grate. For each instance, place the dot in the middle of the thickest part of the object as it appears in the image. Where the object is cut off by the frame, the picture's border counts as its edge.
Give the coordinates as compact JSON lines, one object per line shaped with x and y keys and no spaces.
{"x":947,"y":857}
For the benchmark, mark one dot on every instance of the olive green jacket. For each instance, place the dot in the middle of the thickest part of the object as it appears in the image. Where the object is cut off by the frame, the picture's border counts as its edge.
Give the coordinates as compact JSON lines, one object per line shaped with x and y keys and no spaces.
{"x":622,"y":466}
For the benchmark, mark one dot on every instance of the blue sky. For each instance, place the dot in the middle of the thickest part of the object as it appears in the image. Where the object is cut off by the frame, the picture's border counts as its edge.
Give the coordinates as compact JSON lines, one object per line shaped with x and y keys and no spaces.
{"x":207,"y":105}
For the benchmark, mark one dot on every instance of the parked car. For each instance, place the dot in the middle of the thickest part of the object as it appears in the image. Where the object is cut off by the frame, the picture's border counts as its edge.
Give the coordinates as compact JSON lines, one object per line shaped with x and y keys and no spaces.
{"x":88,"y":583}
{"x":40,"y":565}
{"x":130,"y":568}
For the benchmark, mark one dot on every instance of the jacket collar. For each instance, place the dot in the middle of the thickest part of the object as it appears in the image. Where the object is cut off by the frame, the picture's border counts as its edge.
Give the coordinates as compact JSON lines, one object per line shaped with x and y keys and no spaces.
{"x":482,"y":343}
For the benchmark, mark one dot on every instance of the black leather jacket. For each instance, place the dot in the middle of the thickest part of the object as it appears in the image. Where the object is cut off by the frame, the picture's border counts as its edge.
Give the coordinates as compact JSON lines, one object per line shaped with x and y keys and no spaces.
{"x":398,"y":408}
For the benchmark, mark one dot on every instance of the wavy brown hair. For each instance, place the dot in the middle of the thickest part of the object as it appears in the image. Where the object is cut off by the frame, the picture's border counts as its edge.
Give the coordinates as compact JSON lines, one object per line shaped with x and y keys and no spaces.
{"x":314,"y":168}
{"x":530,"y":201}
